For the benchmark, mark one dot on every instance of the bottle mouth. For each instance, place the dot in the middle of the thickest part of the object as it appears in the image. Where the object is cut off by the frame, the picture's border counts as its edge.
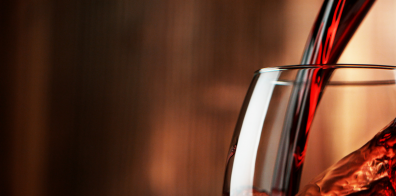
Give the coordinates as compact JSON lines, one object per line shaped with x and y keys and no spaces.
{"x":327,"y":66}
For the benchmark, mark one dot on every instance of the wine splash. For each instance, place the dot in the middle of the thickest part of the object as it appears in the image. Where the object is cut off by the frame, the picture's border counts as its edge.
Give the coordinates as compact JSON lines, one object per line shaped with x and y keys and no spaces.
{"x":370,"y":170}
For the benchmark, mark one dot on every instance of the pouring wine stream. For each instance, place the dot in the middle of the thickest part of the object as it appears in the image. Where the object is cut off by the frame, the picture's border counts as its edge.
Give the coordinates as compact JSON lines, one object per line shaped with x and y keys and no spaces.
{"x":335,"y":25}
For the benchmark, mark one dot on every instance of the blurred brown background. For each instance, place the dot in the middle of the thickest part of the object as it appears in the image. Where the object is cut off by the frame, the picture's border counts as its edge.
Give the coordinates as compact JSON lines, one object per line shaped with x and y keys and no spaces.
{"x":140,"y":97}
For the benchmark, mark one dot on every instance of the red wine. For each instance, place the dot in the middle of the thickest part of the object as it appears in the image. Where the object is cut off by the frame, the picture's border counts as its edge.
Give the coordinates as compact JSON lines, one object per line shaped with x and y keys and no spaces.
{"x":370,"y":170}
{"x":335,"y":25}
{"x":381,"y":187}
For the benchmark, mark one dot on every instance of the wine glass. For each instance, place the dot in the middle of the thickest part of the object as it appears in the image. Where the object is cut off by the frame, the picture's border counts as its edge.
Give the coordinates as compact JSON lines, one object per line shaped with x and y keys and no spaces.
{"x":347,"y":105}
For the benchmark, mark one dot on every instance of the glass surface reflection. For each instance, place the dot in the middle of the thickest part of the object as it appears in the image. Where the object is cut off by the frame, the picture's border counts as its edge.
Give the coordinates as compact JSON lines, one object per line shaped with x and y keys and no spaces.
{"x":357,"y":102}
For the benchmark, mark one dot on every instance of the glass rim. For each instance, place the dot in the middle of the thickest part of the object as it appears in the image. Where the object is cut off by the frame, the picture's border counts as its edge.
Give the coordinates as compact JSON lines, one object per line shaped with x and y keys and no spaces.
{"x":329,"y":66}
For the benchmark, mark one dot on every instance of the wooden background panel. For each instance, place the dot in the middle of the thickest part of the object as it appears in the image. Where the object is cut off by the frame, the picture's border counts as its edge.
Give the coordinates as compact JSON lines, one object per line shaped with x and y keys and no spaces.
{"x":141,"y":97}
{"x":127,"y":97}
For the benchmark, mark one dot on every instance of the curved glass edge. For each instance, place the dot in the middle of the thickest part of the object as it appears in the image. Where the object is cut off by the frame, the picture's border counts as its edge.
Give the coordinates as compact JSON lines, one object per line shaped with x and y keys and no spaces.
{"x":335,"y":66}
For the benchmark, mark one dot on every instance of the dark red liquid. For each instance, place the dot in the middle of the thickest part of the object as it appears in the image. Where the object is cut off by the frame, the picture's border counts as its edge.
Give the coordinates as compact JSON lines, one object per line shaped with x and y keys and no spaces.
{"x":369,"y":170}
{"x":382,"y":187}
{"x":335,"y":25}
